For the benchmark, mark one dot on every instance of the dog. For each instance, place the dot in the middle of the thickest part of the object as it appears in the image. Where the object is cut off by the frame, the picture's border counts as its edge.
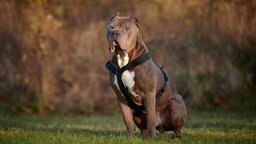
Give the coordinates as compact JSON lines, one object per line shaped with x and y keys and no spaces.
{"x":145,"y":96}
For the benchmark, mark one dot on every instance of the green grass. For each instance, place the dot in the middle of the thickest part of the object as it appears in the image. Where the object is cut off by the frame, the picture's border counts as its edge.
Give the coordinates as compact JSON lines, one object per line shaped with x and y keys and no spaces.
{"x":207,"y":126}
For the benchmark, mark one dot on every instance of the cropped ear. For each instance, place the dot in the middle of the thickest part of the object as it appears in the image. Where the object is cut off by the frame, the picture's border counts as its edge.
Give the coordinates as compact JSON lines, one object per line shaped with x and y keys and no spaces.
{"x":136,"y":21}
{"x":117,"y":14}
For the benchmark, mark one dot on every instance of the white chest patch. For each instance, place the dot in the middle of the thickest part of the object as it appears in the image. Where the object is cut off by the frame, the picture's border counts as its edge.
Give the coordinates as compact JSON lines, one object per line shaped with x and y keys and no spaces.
{"x":128,"y":80}
{"x":127,"y":76}
{"x":116,"y":82}
{"x":122,"y":61}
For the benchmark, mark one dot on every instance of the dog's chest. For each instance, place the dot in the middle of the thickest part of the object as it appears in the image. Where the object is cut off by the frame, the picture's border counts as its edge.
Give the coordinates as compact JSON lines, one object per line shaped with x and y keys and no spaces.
{"x":127,"y":76}
{"x":128,"y":81}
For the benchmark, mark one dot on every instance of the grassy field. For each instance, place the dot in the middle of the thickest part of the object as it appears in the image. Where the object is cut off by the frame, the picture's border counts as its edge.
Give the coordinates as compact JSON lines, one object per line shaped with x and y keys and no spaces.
{"x":207,"y":126}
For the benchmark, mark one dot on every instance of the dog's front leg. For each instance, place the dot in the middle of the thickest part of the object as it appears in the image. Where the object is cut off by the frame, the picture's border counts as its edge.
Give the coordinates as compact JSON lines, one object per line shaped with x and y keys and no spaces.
{"x":128,"y":118}
{"x":150,"y":106}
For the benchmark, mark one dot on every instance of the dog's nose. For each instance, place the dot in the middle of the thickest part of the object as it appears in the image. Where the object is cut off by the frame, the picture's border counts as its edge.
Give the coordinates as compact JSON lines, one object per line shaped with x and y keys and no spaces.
{"x":115,"y":33}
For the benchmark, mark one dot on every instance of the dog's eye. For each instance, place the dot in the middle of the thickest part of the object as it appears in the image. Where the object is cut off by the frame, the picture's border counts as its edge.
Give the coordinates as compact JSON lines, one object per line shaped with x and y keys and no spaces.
{"x":127,"y":27}
{"x":111,"y":27}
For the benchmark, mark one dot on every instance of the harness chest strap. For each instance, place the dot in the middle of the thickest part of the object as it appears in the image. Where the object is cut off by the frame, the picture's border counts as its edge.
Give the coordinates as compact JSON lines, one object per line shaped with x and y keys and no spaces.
{"x":119,"y":71}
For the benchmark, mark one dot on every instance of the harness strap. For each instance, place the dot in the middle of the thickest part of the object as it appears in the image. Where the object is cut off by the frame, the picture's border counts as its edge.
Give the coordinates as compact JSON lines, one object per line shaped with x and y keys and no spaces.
{"x":137,"y":61}
{"x":119,"y":71}
{"x":162,"y":90}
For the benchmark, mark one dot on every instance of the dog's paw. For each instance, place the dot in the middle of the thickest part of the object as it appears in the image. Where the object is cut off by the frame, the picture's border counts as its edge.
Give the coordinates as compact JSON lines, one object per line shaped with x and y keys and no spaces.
{"x":176,"y":137}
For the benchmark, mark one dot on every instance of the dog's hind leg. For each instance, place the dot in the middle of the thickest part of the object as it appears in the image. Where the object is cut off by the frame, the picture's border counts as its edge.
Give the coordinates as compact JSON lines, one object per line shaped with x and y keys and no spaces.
{"x":178,"y":115}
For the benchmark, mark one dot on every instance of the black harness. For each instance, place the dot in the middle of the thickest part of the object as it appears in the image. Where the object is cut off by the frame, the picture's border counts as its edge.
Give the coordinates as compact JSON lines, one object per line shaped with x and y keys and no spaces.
{"x":119,"y":71}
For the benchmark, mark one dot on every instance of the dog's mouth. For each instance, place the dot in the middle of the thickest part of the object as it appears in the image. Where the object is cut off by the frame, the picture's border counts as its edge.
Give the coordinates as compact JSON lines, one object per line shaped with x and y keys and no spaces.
{"x":114,"y":46}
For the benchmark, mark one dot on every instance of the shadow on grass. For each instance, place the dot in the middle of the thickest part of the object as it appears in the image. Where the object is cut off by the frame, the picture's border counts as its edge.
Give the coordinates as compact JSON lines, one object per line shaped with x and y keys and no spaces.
{"x":221,"y":119}
{"x":226,"y":124}
{"x":55,"y":129}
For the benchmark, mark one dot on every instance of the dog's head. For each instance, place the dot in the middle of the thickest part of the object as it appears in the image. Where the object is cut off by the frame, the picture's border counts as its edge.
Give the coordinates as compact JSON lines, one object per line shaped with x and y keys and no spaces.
{"x":122,"y":33}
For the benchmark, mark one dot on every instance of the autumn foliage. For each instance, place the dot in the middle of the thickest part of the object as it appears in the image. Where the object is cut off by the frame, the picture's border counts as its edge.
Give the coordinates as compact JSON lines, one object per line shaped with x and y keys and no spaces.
{"x":53,"y":52}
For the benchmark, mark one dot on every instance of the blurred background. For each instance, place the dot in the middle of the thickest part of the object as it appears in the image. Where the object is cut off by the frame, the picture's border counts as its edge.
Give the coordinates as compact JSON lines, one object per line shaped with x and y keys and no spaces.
{"x":53,"y":52}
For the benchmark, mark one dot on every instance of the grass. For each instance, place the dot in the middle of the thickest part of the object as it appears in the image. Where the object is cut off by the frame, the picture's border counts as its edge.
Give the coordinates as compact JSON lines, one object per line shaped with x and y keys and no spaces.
{"x":203,"y":126}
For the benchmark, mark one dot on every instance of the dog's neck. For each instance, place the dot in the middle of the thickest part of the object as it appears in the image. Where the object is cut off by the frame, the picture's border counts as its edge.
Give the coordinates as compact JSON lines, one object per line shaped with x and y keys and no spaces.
{"x":139,"y":49}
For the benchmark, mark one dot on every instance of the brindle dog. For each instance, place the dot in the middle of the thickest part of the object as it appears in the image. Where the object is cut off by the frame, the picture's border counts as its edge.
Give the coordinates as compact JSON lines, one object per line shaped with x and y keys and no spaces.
{"x":143,"y":82}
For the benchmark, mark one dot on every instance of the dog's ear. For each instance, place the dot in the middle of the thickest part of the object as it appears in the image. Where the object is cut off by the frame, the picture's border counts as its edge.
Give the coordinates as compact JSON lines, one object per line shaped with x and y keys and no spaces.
{"x":117,"y":14}
{"x":136,"y":21}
